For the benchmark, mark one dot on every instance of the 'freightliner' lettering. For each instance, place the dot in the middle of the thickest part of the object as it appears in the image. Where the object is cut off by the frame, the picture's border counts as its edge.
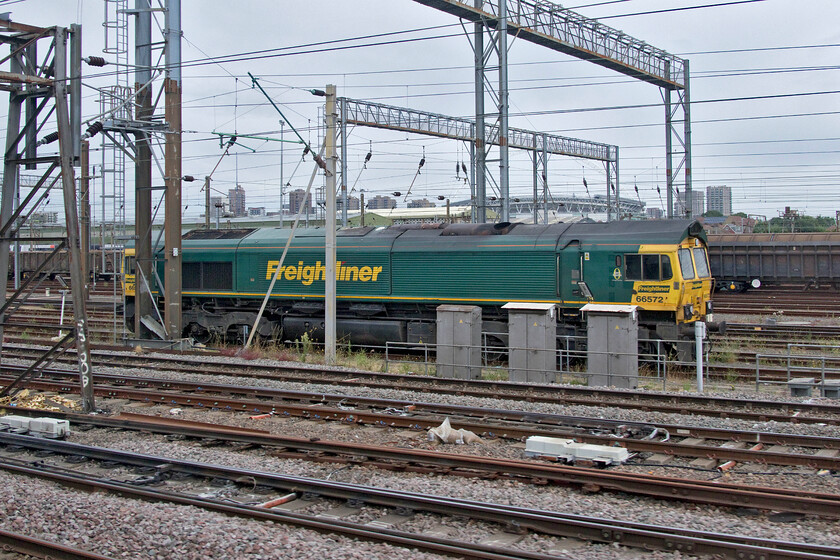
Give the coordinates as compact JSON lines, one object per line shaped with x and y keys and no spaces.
{"x":307,"y":274}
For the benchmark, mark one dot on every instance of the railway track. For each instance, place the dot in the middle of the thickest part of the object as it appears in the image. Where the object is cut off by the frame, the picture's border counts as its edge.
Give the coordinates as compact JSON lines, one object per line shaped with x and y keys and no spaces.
{"x":792,"y":302}
{"x":162,"y":478}
{"x":710,"y":444}
{"x":747,"y":409}
{"x":39,"y":548}
{"x":756,"y":410}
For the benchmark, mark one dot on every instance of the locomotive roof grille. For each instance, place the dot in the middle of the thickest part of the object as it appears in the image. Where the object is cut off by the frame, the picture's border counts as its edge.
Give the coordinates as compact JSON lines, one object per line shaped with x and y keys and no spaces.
{"x":218,"y":233}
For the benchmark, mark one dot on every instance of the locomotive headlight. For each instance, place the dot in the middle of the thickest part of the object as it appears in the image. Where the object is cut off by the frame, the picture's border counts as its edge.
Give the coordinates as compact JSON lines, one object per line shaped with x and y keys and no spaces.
{"x":688,"y":311}
{"x":709,"y":308}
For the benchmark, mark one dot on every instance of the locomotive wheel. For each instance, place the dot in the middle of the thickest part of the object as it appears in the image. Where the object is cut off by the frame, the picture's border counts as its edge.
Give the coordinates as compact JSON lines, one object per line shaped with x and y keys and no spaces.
{"x":199,"y":333}
{"x":495,"y":349}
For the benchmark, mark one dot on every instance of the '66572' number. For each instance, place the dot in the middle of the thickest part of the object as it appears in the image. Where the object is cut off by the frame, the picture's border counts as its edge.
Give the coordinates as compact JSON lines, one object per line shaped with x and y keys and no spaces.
{"x":650,"y":299}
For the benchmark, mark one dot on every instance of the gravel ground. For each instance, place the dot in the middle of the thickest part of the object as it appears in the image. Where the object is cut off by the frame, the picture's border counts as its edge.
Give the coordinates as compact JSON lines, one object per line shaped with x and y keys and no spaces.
{"x":124,"y":528}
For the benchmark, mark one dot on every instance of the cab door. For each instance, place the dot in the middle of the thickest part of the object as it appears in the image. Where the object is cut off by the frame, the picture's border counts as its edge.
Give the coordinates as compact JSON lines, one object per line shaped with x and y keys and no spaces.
{"x":571,"y":268}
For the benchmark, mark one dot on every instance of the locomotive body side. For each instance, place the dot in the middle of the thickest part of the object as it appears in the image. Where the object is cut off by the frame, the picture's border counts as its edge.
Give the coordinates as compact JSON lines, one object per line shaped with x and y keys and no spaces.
{"x":391,"y":280}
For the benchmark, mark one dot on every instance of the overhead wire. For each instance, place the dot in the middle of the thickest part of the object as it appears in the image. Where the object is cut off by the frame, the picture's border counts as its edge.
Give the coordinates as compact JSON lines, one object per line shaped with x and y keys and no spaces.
{"x":601,"y":128}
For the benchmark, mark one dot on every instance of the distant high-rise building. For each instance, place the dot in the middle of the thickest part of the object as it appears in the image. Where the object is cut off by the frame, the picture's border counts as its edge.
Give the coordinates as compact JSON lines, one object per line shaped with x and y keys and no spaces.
{"x":653,"y":212}
{"x":236,"y":201}
{"x":719,"y":199}
{"x":299,"y":200}
{"x":380,"y":202}
{"x":422,"y":203}
{"x":697,"y":206}
{"x":352,"y":203}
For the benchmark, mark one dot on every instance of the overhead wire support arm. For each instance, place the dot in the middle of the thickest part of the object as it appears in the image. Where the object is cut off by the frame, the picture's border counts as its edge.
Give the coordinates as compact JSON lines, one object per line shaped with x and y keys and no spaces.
{"x":235,"y":136}
{"x":317,"y":157}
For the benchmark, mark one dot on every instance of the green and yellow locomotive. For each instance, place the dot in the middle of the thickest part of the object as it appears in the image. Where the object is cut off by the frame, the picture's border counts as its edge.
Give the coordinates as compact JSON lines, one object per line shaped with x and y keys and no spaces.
{"x":390,"y":280}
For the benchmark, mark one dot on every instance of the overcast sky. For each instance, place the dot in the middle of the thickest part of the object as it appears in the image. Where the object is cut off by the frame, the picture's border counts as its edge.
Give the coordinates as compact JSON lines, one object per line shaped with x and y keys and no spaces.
{"x":772,"y":151}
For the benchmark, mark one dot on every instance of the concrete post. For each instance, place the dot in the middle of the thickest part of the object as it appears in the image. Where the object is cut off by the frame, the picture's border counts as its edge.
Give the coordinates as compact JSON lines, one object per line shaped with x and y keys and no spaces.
{"x":329,"y":229}
{"x":699,"y":335}
{"x":77,"y":282}
{"x":172,"y":226}
{"x":143,"y":303}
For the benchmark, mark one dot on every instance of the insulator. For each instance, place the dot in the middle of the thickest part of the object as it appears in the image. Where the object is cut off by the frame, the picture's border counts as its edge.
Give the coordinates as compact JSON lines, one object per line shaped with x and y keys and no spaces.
{"x":637,"y":189}
{"x":94,"y":129}
{"x":95,"y":61}
{"x":463,"y":168}
{"x":397,"y":193}
{"x":305,"y":151}
{"x":48,"y":139}
{"x":232,"y":141}
{"x":318,"y":92}
{"x":188,"y":178}
{"x":441,"y":197}
{"x":658,"y":191}
{"x":584,"y":183}
{"x":422,"y":163}
{"x":368,"y":156}
{"x":320,"y":161}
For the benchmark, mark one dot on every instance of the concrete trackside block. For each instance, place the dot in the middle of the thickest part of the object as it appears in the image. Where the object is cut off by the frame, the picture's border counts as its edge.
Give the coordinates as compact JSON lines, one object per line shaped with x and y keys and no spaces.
{"x":704,"y":463}
{"x":801,"y":386}
{"x":659,"y":459}
{"x":830,"y":388}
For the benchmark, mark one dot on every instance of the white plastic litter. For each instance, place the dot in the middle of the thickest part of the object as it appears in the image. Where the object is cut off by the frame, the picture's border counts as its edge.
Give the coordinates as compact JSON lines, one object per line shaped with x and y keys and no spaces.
{"x":446,"y":434}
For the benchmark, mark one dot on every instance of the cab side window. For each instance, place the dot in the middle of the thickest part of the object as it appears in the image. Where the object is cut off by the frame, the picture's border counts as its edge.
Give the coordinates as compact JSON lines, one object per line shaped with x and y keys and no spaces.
{"x":633,"y":267}
{"x":667,"y":272}
{"x":701,"y":262}
{"x":686,"y":267}
{"x":650,"y":267}
{"x":647,"y":267}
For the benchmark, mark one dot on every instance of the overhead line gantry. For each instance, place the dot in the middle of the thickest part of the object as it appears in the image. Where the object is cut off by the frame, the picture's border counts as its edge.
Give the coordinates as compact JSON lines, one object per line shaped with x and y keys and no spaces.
{"x":550,"y":25}
{"x":378,"y":115}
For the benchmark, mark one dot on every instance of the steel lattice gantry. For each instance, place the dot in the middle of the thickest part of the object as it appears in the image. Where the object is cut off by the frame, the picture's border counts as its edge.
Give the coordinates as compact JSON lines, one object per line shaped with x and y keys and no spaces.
{"x":377,"y":115}
{"x":562,"y":30}
{"x":38,"y":92}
